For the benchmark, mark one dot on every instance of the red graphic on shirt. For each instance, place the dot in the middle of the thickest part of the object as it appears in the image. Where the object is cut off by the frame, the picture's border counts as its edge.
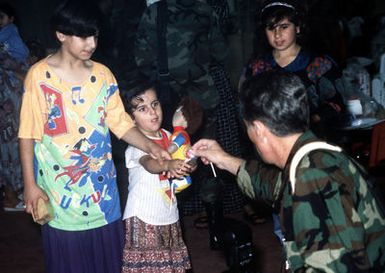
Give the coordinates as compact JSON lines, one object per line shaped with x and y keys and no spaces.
{"x":56,"y":121}
{"x":164,"y":142}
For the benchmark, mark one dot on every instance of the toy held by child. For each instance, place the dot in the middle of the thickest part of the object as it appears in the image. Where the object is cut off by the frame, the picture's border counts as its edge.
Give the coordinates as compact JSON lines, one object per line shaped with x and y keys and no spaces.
{"x":186,"y":120}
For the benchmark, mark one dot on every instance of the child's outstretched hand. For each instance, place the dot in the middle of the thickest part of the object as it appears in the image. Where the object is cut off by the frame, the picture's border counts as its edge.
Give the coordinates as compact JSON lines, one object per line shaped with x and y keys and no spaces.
{"x":177,"y":168}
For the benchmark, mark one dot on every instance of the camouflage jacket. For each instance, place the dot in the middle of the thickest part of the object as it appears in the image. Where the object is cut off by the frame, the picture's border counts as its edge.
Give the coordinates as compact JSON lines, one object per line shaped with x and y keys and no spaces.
{"x":194,"y":42}
{"x":331,"y":223}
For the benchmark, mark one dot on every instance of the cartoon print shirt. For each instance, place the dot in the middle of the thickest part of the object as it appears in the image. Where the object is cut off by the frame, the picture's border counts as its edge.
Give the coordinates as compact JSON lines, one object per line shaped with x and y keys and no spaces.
{"x":149,"y":196}
{"x":70,"y":125}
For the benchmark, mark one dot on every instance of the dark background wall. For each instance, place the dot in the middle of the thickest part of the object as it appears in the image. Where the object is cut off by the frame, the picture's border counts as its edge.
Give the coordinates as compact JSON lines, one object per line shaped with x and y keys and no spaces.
{"x":121,"y":18}
{"x":33,"y":19}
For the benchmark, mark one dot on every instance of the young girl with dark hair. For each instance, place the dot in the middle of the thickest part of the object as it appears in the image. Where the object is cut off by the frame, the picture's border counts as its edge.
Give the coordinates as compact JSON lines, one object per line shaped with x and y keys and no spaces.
{"x":154,"y":240}
{"x":283,"y":23}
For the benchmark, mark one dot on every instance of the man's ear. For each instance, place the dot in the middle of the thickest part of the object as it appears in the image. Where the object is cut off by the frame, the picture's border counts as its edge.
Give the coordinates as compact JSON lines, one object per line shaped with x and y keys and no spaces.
{"x":259,"y":128}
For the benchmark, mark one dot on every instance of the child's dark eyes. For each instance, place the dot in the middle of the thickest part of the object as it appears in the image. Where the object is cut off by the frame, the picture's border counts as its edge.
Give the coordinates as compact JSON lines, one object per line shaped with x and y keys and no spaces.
{"x":141,"y":109}
{"x":145,"y":109}
{"x":155,"y":104}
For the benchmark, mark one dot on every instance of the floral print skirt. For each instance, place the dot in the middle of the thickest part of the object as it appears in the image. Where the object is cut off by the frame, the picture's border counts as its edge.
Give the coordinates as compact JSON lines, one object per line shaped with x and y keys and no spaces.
{"x":150,"y":248}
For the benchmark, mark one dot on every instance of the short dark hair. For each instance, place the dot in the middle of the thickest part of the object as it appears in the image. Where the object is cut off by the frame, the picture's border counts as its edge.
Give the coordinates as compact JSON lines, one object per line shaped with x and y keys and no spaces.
{"x":77,"y":17}
{"x":7,"y":9}
{"x":278,"y":99}
{"x":137,"y":87}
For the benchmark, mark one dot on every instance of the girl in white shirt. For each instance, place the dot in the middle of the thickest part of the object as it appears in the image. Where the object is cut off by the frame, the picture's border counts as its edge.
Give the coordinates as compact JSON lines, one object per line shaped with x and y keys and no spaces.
{"x":154,"y":240}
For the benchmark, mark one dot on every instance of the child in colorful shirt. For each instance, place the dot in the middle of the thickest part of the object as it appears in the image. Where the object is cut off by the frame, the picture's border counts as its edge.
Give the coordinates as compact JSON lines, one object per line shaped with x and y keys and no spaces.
{"x":69,"y":106}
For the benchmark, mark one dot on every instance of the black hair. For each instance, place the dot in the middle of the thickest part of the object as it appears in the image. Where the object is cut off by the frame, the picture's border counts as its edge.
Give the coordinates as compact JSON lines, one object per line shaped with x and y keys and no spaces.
{"x":7,"y":9}
{"x":278,"y":99}
{"x":77,"y":17}
{"x":273,"y":11}
{"x":137,"y":87}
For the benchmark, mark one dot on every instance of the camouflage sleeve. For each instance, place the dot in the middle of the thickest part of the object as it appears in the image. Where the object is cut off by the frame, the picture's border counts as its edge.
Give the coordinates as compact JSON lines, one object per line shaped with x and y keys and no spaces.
{"x":218,"y":47}
{"x":145,"y":42}
{"x":343,"y":230}
{"x":260,"y":181}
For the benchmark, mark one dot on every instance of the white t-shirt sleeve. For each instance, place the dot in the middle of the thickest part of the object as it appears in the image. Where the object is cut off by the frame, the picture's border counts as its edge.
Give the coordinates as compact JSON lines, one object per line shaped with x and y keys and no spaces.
{"x":133,"y":155}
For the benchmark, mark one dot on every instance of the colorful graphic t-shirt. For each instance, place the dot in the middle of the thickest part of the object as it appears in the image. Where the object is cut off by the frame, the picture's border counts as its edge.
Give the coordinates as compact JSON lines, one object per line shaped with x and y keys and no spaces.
{"x":70,"y":125}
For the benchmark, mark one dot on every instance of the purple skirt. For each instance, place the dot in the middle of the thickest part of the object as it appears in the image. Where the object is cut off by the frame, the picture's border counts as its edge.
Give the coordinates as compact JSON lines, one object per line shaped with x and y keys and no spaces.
{"x":96,"y":250}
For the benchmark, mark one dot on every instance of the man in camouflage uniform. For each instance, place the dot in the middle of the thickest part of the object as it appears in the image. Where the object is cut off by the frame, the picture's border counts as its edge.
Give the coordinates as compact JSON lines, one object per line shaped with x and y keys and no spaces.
{"x":331,"y":221}
{"x":194,"y":42}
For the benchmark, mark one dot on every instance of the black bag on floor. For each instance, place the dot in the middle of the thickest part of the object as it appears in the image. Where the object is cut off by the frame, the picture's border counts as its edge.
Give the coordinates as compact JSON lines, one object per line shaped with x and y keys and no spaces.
{"x":237,"y":245}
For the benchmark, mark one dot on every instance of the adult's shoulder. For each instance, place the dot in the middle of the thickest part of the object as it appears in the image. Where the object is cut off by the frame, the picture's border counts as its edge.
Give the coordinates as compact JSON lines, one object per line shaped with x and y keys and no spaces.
{"x":320,"y":167}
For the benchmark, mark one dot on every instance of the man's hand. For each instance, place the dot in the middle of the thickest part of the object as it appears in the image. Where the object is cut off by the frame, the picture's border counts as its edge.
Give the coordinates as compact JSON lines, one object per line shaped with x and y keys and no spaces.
{"x":210,"y":151}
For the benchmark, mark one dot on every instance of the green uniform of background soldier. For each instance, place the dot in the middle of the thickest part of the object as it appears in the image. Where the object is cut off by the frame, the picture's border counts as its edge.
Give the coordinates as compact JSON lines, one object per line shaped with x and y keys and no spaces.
{"x":194,"y":42}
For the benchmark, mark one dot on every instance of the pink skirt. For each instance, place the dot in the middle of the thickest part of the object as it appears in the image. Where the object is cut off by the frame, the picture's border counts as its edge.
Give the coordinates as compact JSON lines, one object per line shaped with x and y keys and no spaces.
{"x":151,"y":248}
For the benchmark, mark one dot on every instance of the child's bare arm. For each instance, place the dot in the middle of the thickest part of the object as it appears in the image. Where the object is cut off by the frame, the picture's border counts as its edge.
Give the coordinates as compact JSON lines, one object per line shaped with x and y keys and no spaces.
{"x":135,"y":138}
{"x":31,"y":191}
{"x":175,"y":168}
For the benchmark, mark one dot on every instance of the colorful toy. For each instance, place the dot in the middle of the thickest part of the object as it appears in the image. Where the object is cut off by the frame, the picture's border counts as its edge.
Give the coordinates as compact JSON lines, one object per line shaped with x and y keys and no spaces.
{"x":186,"y":120}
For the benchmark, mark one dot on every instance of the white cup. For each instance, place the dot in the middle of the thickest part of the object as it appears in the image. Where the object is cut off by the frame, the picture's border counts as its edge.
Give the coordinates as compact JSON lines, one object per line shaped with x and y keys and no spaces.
{"x":354,"y":107}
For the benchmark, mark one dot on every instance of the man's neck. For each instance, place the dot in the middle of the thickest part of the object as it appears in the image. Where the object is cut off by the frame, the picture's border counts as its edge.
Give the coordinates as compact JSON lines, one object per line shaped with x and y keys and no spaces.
{"x":283,"y":147}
